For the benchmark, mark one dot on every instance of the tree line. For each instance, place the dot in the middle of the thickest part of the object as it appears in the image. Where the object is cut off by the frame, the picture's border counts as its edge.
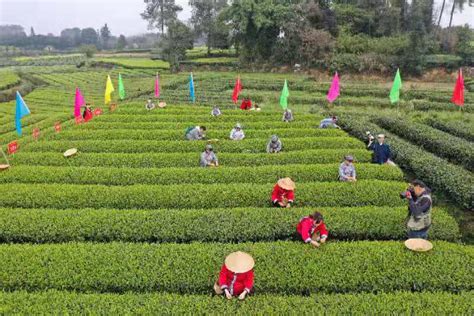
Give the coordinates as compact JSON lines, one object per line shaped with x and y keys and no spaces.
{"x":334,"y":34}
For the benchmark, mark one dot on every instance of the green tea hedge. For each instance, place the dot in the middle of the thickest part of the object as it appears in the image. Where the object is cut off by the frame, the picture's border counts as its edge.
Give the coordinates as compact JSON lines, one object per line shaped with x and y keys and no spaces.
{"x":160,"y":160}
{"x":456,"y":128}
{"x":453,"y":180}
{"x":397,"y":303}
{"x":208,"y":225}
{"x":456,"y":150}
{"x":184,"y":146}
{"x":281,"y":267}
{"x":361,"y":193}
{"x":178,"y":134}
{"x":257,"y":175}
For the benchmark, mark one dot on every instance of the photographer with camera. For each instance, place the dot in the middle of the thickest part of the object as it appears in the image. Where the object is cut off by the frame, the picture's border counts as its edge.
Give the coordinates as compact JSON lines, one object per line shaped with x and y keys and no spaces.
{"x":380,"y":149}
{"x":419,"y":209}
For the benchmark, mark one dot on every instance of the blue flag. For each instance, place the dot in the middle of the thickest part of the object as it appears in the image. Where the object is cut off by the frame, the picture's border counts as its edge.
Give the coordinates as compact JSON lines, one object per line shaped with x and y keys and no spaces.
{"x":191,"y":88}
{"x":21,"y":111}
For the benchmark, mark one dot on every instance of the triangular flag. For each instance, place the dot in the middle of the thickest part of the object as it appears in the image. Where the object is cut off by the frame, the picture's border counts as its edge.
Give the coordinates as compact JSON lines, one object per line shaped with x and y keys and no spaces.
{"x":285,"y":93}
{"x":121,"y":87}
{"x":395,"y":91}
{"x":109,"y":88}
{"x":157,"y":86}
{"x":237,"y":90}
{"x":191,"y":88}
{"x":78,"y":102}
{"x":458,"y":93}
{"x":333,"y":92}
{"x":21,"y":111}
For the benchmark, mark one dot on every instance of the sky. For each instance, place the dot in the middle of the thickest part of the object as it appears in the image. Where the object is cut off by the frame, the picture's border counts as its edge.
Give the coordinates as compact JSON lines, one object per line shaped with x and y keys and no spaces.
{"x":122,"y":16}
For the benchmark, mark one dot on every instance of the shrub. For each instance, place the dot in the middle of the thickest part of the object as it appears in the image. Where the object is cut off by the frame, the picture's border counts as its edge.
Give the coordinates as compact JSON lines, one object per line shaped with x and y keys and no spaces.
{"x":281,"y":267}
{"x":363,"y":192}
{"x":440,"y":175}
{"x":208,"y":225}
{"x":229,"y":146}
{"x":162,"y":160}
{"x":456,"y":128}
{"x":454,"y":149}
{"x":257,"y":175}
{"x":399,"y":303}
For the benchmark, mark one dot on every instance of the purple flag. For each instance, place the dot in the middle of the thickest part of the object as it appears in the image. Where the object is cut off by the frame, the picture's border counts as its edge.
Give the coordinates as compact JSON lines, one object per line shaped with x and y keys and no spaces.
{"x":78,"y":103}
{"x":333,"y":92}
{"x":157,"y":86}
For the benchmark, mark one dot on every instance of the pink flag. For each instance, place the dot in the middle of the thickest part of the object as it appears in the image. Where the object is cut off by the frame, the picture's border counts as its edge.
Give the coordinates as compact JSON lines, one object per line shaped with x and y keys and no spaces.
{"x":333,"y":92}
{"x":78,"y":103}
{"x":157,"y":86}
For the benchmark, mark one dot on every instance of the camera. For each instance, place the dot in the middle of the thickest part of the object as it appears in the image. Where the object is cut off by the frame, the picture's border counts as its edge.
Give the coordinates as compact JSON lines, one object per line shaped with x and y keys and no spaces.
{"x":369,"y":135}
{"x":408,"y":193}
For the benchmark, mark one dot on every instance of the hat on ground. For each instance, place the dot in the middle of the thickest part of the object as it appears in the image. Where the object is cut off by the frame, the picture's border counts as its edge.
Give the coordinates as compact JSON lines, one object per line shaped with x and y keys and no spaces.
{"x":418,"y":244}
{"x":4,"y":167}
{"x":349,"y":158}
{"x":286,"y":183}
{"x":162,"y":104}
{"x":70,"y":152}
{"x":239,"y":262}
{"x":381,"y":136}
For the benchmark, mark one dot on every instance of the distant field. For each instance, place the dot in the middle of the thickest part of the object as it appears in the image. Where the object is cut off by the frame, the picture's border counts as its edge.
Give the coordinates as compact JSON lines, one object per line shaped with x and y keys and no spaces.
{"x":135,"y":62}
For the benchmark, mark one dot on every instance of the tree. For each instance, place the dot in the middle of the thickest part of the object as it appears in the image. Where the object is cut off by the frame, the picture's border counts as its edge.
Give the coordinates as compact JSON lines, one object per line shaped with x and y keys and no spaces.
{"x":70,"y":37}
{"x":105,"y":35}
{"x":175,"y":42}
{"x":256,"y":25}
{"x":88,"y":50}
{"x":204,"y":19}
{"x":160,"y":13}
{"x":89,"y":36}
{"x":464,"y":48}
{"x":32,"y":32}
{"x":122,"y":42}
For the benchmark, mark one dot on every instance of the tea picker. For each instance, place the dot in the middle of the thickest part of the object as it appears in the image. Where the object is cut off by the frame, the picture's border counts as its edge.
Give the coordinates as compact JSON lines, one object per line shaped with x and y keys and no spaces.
{"x":7,"y":165}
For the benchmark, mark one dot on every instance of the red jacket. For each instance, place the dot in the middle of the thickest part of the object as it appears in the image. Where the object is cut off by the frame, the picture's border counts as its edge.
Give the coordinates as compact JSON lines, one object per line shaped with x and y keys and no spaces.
{"x":306,"y":229}
{"x":87,"y":115}
{"x":235,"y":282}
{"x":246,"y":104}
{"x":278,"y":194}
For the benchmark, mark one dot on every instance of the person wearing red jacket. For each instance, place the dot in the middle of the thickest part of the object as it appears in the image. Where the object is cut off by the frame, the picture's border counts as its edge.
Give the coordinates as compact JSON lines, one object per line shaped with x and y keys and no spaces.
{"x":283,"y":194}
{"x":246,"y":104}
{"x":312,"y":229}
{"x":87,"y":115}
{"x":236,"y":276}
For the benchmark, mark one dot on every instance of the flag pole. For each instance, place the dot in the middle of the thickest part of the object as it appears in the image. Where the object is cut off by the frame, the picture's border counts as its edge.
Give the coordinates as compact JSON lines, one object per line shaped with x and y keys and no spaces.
{"x":4,"y":156}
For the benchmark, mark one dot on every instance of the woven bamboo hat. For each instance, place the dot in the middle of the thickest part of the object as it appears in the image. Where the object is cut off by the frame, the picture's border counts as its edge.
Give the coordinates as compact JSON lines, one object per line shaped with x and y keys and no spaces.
{"x":70,"y":152}
{"x":4,"y":167}
{"x":418,"y":244}
{"x":286,"y":183}
{"x":239,"y":262}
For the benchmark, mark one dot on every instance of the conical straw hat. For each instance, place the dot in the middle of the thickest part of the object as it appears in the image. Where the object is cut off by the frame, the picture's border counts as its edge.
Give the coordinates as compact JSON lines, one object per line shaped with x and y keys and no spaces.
{"x":4,"y":167}
{"x":239,"y":262}
{"x":70,"y":152}
{"x":286,"y":183}
{"x":418,"y":244}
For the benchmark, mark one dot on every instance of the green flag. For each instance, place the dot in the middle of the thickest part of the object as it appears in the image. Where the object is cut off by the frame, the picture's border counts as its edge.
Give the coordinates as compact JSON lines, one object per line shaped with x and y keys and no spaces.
{"x":285,"y":93}
{"x":121,"y":87}
{"x":397,"y":85}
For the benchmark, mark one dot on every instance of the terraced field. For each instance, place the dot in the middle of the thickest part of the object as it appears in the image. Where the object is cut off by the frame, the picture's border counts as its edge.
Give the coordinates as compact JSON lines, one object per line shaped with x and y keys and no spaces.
{"x":132,"y":224}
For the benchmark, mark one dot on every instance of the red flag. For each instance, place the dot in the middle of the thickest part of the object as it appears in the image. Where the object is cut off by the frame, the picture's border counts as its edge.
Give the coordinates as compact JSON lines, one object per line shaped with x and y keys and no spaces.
{"x":12,"y":147}
{"x":237,"y":90}
{"x":458,"y":94}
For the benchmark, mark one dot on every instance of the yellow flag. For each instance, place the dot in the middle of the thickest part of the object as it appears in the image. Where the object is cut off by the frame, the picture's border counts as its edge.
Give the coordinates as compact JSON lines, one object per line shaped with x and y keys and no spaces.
{"x":109,"y":88}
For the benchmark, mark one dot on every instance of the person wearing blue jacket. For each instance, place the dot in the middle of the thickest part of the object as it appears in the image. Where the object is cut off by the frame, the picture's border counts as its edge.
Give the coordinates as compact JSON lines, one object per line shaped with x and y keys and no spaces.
{"x":381,"y":150}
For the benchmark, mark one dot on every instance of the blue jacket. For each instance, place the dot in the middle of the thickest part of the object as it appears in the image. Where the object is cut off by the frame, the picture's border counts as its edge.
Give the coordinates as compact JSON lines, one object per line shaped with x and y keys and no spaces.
{"x":381,"y":152}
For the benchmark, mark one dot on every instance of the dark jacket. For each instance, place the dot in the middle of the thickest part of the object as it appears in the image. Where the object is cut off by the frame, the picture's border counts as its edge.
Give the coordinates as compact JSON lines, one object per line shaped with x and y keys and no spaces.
{"x":419,"y":211}
{"x":381,"y":152}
